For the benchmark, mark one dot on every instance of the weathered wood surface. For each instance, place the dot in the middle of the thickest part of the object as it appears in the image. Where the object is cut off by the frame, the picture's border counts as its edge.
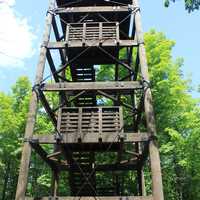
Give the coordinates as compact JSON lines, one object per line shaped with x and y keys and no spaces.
{"x":92,"y":9}
{"x":92,"y":86}
{"x":26,"y":151}
{"x":149,"y":112}
{"x":92,"y":138}
{"x":94,"y":198}
{"x":91,"y":43}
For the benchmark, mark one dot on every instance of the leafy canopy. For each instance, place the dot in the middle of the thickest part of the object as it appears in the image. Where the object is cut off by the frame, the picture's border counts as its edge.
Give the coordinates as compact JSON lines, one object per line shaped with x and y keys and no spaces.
{"x":190,"y":5}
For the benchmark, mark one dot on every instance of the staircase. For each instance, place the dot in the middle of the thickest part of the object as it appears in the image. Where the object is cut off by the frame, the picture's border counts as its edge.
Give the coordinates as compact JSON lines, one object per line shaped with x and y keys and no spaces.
{"x":82,"y":181}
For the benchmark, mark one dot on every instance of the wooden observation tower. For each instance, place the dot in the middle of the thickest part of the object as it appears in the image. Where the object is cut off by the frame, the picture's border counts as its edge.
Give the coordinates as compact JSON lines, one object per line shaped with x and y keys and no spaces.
{"x":94,"y":119}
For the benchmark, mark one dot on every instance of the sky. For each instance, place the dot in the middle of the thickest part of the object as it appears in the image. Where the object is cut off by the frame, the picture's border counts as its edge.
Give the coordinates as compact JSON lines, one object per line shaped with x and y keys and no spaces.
{"x":22,"y":24}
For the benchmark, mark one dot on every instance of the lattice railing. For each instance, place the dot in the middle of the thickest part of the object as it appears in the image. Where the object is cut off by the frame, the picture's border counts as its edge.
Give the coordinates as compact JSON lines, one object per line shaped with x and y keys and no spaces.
{"x":92,"y":31}
{"x":98,"y":120}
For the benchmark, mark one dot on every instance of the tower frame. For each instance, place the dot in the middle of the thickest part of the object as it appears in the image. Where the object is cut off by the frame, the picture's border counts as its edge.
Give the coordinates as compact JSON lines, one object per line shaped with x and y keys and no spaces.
{"x":76,"y":45}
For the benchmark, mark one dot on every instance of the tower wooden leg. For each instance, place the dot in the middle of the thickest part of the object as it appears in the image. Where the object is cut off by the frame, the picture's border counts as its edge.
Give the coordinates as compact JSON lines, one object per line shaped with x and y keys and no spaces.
{"x":54,"y":184}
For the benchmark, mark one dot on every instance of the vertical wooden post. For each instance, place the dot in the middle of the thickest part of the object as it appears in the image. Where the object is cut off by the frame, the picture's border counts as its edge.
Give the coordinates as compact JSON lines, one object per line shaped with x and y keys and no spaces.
{"x":80,"y":110}
{"x":84,"y":34}
{"x":54,"y":183}
{"x":157,"y":186}
{"x":100,"y":32}
{"x":26,"y":150}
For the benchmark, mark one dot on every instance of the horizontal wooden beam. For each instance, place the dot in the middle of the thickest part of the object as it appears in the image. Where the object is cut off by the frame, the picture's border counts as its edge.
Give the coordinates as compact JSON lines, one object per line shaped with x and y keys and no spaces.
{"x":92,"y":138}
{"x":92,"y":9}
{"x":91,"y":43}
{"x":94,"y":198}
{"x":123,"y":87}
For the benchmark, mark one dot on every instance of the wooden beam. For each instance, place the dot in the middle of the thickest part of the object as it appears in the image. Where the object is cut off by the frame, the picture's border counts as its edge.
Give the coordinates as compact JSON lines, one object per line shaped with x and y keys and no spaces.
{"x":43,"y":154}
{"x":91,"y":43}
{"x":94,"y":198}
{"x":57,"y":36}
{"x":123,"y":87}
{"x":54,"y":72}
{"x":47,"y":108}
{"x":114,"y":99}
{"x":157,"y":186}
{"x":52,"y":66}
{"x":92,"y":9}
{"x":116,"y":59}
{"x":26,"y":150}
{"x":91,"y":138}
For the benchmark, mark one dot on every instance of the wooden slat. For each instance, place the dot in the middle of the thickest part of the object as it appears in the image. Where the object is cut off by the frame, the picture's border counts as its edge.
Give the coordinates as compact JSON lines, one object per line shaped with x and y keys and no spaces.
{"x":95,"y":9}
{"x":92,"y":138}
{"x":107,"y":43}
{"x":93,"y":86}
{"x":79,"y":122}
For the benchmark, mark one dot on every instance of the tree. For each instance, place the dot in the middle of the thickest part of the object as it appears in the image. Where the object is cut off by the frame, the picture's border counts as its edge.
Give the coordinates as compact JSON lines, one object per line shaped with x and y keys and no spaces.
{"x":178,"y":119}
{"x":190,"y":5}
{"x":14,"y":109}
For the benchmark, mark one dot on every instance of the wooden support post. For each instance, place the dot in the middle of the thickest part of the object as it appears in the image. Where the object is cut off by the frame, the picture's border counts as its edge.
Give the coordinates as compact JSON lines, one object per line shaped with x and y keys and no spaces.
{"x":54,"y":184}
{"x":100,"y":122}
{"x":67,"y":34}
{"x":143,"y":183}
{"x":55,"y":171}
{"x":157,"y":186}
{"x":117,"y":33}
{"x":26,"y":150}
{"x":100,"y":33}
{"x":80,"y":122}
{"x":84,"y":34}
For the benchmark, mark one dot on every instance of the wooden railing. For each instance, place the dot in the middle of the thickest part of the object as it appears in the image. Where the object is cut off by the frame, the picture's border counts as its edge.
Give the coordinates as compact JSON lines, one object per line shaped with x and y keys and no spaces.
{"x":97,"y":120}
{"x":92,"y":31}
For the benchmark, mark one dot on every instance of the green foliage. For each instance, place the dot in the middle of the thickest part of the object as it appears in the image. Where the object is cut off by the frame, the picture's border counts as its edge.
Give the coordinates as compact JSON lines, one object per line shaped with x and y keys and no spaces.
{"x":14,"y":109}
{"x":178,"y":119}
{"x":190,"y":5}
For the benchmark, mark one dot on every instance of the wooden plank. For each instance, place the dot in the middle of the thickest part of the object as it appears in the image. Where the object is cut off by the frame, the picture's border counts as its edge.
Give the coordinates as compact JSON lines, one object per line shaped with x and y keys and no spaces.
{"x":80,"y":110}
{"x":84,"y":34}
{"x":121,"y":121}
{"x":91,"y":43}
{"x":125,"y":86}
{"x":94,"y":198}
{"x":117,"y":33}
{"x":93,"y":9}
{"x":91,"y":138}
{"x":67,"y":34}
{"x":100,"y":32}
